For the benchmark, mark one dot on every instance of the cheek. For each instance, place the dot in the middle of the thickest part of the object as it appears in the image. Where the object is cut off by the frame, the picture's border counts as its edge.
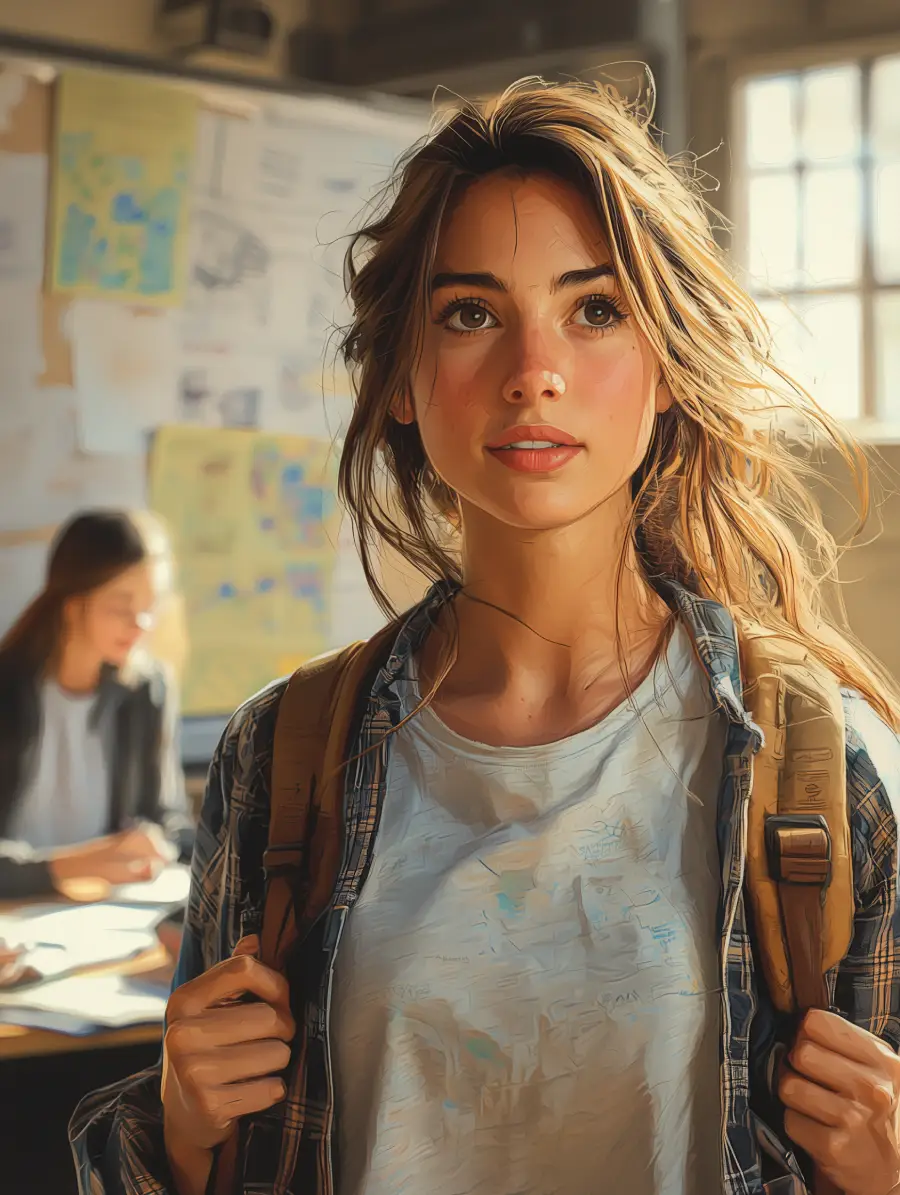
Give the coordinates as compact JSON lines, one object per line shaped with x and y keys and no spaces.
{"x":453,"y":379}
{"x":617,"y":390}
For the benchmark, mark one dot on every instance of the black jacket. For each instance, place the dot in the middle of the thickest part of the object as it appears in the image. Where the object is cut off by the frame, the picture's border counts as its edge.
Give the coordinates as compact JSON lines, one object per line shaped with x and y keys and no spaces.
{"x":138,"y":724}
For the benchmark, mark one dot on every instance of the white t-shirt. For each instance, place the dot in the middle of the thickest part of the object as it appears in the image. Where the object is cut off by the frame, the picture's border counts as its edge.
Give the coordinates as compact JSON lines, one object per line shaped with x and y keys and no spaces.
{"x":67,"y":799}
{"x":526,"y":996}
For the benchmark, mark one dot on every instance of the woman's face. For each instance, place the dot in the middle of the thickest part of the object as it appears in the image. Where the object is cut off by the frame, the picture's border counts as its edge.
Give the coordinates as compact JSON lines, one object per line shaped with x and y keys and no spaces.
{"x":527,"y":341}
{"x":110,"y":620}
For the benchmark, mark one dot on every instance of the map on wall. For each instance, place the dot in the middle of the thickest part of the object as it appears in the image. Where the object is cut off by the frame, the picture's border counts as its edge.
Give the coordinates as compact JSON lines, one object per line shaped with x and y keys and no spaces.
{"x":254,"y":521}
{"x":121,"y":167}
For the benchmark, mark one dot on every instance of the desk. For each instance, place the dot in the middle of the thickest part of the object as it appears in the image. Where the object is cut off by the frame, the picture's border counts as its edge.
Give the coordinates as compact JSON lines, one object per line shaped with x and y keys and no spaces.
{"x":17,"y":1041}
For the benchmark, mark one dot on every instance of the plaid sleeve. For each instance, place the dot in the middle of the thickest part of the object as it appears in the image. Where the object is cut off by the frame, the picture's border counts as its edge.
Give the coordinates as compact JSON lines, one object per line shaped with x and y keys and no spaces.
{"x":116,"y":1133}
{"x":867,"y":986}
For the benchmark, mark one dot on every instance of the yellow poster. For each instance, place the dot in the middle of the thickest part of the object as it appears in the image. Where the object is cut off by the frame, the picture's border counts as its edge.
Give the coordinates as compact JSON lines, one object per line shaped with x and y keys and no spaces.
{"x":254,"y":521}
{"x":123,"y":151}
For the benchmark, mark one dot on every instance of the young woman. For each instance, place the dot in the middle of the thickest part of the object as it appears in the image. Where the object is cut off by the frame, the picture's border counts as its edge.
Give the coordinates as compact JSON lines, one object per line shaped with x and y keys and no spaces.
{"x":91,"y":788}
{"x":534,"y":973}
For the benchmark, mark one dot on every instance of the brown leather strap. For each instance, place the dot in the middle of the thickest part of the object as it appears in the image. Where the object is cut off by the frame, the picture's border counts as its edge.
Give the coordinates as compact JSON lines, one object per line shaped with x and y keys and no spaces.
{"x":311,"y":746}
{"x":802,"y":908}
{"x":804,"y":864}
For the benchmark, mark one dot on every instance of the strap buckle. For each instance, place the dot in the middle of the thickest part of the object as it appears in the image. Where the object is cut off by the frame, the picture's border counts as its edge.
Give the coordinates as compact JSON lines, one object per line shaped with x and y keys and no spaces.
{"x":798,"y":848}
{"x":283,"y":859}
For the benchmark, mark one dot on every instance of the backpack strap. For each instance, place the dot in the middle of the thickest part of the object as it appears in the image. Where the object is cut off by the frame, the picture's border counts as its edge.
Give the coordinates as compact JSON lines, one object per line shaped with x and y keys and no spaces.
{"x":313,"y":729}
{"x":316,"y":719}
{"x":799,"y":866}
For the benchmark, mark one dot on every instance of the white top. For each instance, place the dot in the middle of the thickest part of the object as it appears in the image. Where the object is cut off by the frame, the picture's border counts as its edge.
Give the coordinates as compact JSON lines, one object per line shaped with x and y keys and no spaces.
{"x":526,"y":995}
{"x":67,"y":798}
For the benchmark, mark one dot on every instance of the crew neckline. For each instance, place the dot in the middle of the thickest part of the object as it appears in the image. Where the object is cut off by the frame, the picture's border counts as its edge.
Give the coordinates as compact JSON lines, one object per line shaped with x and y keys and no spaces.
{"x":671,"y":668}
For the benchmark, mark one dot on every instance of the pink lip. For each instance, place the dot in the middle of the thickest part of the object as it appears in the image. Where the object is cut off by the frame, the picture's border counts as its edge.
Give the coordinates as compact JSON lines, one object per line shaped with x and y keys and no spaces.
{"x":534,"y":431}
{"x":535,"y":460}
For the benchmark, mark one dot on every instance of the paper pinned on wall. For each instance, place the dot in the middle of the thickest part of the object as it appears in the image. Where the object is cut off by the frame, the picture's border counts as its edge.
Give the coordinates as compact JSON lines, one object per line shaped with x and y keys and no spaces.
{"x":225,"y":390}
{"x":20,"y":350}
{"x":44,"y":476}
{"x":22,"y":571}
{"x":121,"y":171}
{"x":254,"y":522}
{"x":23,"y":200}
{"x":126,"y":370}
{"x":12,"y":92}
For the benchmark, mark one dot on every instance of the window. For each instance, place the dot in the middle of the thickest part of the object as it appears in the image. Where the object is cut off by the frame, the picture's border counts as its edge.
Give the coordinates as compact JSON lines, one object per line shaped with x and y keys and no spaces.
{"x":819,"y":228}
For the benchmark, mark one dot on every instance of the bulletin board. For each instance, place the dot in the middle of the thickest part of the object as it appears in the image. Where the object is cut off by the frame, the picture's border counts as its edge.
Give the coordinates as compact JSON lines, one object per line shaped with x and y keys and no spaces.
{"x":166,"y":310}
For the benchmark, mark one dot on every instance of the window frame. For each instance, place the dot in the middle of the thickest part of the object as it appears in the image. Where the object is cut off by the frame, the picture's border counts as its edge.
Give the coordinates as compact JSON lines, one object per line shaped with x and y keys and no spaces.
{"x":863,"y":53}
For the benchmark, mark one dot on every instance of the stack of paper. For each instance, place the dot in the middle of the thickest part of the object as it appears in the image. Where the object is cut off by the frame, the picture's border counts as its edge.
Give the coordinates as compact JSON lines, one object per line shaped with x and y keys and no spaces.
{"x":169,"y":889}
{"x":60,"y":941}
{"x":82,"y":1004}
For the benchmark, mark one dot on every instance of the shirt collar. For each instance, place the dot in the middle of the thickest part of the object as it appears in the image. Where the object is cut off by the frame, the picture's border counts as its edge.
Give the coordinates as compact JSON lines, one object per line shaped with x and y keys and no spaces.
{"x":709,"y":623}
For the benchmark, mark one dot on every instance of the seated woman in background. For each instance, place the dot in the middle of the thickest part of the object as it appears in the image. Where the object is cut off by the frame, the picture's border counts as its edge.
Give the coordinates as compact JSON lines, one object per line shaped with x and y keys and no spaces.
{"x":91,"y":787}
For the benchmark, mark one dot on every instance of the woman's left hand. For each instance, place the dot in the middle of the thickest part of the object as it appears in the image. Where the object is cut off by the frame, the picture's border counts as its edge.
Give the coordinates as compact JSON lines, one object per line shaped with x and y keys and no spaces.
{"x":842,"y":1094}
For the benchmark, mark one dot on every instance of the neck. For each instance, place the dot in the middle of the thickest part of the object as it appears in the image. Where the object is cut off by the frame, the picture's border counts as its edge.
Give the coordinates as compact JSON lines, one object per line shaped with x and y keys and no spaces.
{"x":540,"y":610}
{"x":78,"y":670}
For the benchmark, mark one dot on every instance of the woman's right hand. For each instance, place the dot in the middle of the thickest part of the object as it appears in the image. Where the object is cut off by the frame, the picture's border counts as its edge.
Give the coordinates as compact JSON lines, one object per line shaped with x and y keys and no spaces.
{"x":128,"y":857}
{"x":221,"y":1058}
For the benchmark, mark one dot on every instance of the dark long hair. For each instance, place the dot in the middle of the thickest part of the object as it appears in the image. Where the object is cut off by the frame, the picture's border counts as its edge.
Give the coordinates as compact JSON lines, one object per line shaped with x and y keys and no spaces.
{"x":89,"y":550}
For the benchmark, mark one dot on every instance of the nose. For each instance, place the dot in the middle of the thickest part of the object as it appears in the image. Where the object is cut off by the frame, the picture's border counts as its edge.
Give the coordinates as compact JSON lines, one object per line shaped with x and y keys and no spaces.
{"x":532,"y":382}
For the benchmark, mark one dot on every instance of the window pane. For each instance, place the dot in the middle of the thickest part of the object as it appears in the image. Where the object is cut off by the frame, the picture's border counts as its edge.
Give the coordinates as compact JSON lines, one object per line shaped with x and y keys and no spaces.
{"x":887,"y":222}
{"x":887,"y":355}
{"x":834,"y":353}
{"x":770,"y":106}
{"x":830,"y":107}
{"x":886,"y":106}
{"x":831,"y":227}
{"x":819,"y":343}
{"x":773,"y":230}
{"x":788,"y":337}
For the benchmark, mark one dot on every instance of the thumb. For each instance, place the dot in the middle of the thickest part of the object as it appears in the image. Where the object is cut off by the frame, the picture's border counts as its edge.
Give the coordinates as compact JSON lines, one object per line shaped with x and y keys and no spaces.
{"x":249,"y":944}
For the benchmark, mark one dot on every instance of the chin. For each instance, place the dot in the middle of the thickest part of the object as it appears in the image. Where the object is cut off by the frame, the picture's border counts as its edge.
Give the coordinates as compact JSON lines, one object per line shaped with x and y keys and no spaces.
{"x":538,"y":513}
{"x":118,"y":658}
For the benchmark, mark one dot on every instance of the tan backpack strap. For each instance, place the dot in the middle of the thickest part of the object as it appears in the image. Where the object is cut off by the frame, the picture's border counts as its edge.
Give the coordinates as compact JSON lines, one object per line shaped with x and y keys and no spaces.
{"x":799,"y":866}
{"x":301,"y":732}
{"x":312,"y":745}
{"x":313,"y":726}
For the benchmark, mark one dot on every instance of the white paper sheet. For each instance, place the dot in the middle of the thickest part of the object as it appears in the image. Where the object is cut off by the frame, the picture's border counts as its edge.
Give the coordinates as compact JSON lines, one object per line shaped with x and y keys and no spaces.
{"x":21,"y":576}
{"x":69,"y":924}
{"x":170,"y":888}
{"x":225,"y":389}
{"x":21,"y":350}
{"x":126,"y":368}
{"x":23,"y":201}
{"x":98,"y":1001}
{"x":12,"y":92}
{"x":58,"y":941}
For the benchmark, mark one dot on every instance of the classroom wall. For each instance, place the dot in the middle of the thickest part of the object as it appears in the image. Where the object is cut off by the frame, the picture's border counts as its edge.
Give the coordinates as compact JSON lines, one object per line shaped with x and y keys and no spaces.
{"x":227,"y":380}
{"x":129,"y":26}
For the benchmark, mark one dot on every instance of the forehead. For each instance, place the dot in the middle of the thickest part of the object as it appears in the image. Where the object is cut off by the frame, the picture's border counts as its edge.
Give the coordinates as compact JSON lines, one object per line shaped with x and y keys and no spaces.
{"x":134,"y":583}
{"x":507,"y":219}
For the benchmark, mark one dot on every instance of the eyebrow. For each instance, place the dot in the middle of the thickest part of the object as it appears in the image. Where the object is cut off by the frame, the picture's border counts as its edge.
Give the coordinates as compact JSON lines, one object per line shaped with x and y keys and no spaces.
{"x":492,"y":282}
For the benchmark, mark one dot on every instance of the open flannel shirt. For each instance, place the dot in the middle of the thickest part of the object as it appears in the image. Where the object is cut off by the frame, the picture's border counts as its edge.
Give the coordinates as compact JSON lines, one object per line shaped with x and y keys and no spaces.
{"x":290,"y":1150}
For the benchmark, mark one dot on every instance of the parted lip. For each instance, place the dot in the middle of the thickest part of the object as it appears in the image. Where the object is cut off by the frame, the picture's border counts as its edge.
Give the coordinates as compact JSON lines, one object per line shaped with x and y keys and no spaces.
{"x":539,"y":431}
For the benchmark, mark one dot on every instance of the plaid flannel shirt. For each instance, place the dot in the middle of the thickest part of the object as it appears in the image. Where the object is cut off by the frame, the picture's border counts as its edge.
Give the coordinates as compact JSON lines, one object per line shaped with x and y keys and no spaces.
{"x":117,"y":1134}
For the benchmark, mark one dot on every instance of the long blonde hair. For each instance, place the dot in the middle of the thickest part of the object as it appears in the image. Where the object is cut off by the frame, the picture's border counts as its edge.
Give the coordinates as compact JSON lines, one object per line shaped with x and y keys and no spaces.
{"x":718,"y":492}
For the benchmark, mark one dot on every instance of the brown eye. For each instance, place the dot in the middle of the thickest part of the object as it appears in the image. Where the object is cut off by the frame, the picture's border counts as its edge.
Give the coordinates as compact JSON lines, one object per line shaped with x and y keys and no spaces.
{"x":598,"y":313}
{"x":470,"y":317}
